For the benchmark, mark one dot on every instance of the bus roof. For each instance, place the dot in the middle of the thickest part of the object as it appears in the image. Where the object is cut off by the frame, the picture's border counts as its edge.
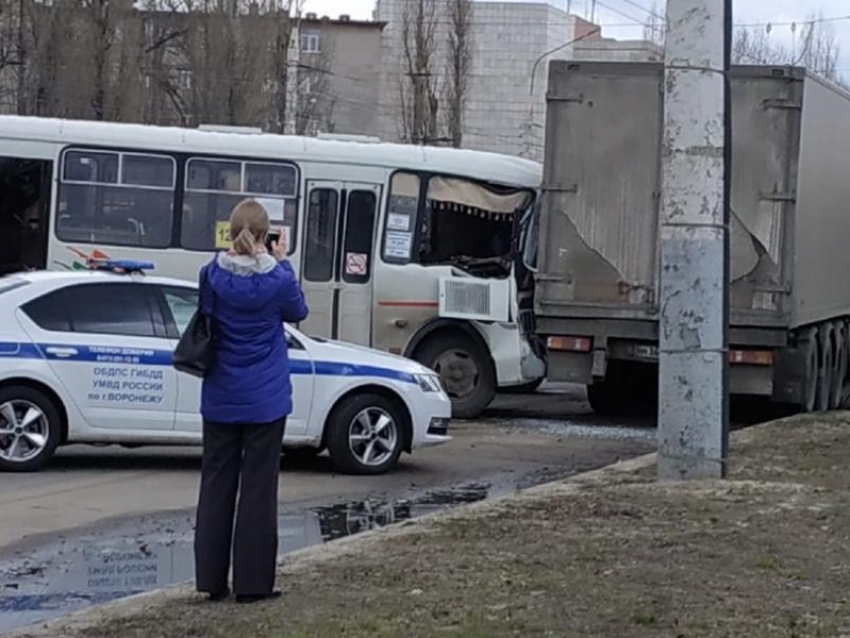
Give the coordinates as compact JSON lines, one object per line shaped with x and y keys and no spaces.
{"x":490,"y":167}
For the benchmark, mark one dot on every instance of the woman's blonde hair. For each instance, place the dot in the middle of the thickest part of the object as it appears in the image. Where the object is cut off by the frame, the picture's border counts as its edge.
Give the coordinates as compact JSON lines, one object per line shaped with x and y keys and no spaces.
{"x":249,"y":225}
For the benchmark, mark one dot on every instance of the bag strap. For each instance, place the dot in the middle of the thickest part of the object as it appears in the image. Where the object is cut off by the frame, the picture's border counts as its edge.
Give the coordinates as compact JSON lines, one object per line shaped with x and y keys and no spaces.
{"x":206,"y":296}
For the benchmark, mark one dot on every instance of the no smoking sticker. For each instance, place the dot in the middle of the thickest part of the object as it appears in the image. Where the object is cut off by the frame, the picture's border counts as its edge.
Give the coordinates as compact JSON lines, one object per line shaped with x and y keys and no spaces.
{"x":356,"y":264}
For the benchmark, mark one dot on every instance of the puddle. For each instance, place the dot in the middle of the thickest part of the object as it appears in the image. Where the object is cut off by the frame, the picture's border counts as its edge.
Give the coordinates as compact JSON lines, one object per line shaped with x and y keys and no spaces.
{"x":151,"y":553}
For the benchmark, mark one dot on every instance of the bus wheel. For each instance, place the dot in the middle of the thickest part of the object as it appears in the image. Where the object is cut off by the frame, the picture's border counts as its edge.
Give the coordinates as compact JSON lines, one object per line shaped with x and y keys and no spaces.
{"x":465,"y":370}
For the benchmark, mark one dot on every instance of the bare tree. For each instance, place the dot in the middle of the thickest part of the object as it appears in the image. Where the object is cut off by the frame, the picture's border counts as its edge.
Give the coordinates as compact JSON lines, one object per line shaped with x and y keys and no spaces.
{"x":418,"y":85}
{"x":821,"y":50}
{"x":753,"y":46}
{"x":183,"y":62}
{"x":655,"y":26}
{"x":10,"y":26}
{"x":818,"y":52}
{"x":459,"y":63}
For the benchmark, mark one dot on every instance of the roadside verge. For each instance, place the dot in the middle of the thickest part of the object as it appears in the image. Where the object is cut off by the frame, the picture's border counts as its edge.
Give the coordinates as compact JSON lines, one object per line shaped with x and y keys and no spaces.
{"x":608,"y":553}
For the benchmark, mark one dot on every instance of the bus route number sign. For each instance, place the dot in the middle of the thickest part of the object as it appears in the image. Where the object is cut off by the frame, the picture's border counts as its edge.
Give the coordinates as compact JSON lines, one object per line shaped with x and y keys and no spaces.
{"x":222,"y":236}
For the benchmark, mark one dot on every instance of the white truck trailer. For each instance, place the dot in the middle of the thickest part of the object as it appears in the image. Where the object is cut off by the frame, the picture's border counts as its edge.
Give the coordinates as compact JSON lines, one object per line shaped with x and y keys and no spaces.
{"x":597,"y":258}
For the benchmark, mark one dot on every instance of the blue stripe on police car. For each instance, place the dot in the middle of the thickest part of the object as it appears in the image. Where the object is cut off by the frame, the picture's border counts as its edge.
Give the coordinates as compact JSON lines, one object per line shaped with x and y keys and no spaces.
{"x":150,"y":357}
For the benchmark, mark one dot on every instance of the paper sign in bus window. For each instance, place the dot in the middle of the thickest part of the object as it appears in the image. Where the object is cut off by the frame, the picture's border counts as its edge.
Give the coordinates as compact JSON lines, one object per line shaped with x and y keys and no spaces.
{"x":398,"y":221}
{"x":398,"y":244}
{"x":356,"y":264}
{"x":274,"y":207}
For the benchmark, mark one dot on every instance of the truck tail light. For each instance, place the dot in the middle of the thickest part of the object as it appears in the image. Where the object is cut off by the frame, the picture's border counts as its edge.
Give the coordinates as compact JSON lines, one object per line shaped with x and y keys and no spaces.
{"x":570,"y":344}
{"x":751,"y":357}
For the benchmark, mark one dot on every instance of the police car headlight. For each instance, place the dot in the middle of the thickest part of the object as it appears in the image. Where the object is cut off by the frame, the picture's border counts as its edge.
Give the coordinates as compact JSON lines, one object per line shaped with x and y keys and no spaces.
{"x":429,"y":382}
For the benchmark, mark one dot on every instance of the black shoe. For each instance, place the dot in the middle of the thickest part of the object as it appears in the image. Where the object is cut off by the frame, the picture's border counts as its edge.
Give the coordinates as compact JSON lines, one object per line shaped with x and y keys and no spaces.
{"x":218,"y":596}
{"x":247,"y":599}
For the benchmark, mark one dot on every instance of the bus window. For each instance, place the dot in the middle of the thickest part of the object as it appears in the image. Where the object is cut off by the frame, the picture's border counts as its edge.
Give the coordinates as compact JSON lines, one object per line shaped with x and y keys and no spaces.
{"x":470,"y":225}
{"x":148,"y":170}
{"x":401,"y":218}
{"x":215,"y":187}
{"x":322,"y":214}
{"x":123,"y":199}
{"x":271,"y":179}
{"x":24,"y":213}
{"x":359,"y":231}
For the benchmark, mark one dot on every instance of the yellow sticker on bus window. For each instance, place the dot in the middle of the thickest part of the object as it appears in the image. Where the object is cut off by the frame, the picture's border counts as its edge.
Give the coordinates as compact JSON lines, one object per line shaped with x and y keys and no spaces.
{"x":222,"y":236}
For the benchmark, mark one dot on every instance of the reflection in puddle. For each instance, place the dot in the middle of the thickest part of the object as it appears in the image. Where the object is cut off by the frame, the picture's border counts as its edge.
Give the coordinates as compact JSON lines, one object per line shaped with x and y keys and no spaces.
{"x":157,"y":552}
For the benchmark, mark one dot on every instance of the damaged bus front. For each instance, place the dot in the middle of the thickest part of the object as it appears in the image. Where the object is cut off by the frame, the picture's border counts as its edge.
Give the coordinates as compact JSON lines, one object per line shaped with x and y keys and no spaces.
{"x":458,"y":237}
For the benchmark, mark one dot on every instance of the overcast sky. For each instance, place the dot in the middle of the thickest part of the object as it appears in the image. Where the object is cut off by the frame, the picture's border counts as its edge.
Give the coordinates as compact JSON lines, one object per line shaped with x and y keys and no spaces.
{"x":620,"y":12}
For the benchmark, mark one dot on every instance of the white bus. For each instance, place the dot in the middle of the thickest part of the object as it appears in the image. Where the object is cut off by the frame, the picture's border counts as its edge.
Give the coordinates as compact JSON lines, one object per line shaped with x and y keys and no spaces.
{"x":406,"y":249}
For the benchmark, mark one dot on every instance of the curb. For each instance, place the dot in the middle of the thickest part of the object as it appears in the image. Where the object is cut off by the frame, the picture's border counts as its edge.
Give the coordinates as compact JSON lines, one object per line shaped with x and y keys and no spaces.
{"x":79,"y":620}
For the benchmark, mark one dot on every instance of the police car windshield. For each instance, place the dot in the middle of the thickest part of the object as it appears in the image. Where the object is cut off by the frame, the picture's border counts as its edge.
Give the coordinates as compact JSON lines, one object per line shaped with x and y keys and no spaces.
{"x":11,"y":283}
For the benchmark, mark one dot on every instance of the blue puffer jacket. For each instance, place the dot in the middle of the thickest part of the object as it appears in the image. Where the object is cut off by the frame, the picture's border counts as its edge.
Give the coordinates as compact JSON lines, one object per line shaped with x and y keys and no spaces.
{"x":249,"y":381}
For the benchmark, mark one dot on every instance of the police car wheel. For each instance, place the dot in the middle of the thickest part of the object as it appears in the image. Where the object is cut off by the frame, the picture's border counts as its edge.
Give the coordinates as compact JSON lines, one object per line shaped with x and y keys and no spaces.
{"x":365,"y":435}
{"x":30,"y":427}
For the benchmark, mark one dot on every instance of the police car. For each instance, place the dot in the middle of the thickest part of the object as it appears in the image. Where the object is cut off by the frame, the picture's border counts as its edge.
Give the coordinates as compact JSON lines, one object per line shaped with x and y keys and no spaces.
{"x":85,"y":357}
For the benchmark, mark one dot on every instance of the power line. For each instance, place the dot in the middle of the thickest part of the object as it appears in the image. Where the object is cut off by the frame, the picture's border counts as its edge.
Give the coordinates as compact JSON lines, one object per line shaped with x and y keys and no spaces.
{"x":793,"y":23}
{"x":555,"y":50}
{"x":650,"y":12}
{"x":620,"y":13}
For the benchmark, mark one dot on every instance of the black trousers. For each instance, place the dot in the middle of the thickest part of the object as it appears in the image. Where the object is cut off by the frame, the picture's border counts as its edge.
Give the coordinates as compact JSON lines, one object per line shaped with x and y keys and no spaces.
{"x":243,"y":460}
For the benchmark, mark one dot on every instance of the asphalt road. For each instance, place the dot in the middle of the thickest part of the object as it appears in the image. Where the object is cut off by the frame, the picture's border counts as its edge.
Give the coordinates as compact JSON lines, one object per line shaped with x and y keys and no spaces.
{"x":521,"y":441}
{"x":103,"y":523}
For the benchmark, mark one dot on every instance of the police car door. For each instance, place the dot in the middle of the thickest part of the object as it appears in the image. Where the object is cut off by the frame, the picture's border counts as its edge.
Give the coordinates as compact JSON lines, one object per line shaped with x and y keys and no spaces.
{"x":179,"y":306}
{"x":106,"y":343}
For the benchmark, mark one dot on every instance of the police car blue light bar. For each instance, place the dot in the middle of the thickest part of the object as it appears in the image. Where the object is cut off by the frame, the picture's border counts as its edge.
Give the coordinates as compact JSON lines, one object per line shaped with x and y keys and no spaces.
{"x":120,"y":265}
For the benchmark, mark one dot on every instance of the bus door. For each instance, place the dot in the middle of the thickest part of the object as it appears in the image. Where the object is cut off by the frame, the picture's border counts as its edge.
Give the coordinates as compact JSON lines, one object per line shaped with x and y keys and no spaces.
{"x":338,"y":256}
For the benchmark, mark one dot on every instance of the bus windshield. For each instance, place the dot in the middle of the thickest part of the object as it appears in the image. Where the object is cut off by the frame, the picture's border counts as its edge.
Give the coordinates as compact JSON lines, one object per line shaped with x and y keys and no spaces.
{"x":460,"y":222}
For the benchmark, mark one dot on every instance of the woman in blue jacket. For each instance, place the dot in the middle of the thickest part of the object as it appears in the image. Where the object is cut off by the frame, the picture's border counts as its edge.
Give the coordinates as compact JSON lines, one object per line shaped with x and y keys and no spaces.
{"x":246,"y":398}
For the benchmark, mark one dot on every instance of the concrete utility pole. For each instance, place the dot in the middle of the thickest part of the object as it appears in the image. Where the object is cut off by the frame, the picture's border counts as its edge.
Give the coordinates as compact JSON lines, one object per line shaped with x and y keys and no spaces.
{"x":693,"y":408}
{"x":293,"y":67}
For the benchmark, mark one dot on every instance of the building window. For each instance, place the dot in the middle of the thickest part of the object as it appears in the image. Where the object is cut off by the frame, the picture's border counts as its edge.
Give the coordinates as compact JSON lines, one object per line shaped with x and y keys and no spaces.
{"x":311,"y":42}
{"x":184,"y":79}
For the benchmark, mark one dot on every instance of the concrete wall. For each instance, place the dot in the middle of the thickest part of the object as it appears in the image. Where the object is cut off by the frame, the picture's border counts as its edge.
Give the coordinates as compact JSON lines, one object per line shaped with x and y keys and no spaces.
{"x":618,"y":51}
{"x":351,"y":63}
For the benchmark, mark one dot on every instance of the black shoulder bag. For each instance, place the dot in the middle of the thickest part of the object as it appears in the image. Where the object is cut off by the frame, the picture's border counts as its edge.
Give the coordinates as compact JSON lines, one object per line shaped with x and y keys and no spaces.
{"x":195,"y":352}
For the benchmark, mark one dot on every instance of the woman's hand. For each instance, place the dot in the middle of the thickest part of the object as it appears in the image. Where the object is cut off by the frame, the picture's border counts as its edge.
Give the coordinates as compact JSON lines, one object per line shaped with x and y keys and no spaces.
{"x":280,"y":248}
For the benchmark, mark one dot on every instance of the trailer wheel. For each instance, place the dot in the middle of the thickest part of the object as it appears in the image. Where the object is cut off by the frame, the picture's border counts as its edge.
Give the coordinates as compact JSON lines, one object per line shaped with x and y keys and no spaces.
{"x":606,"y":398}
{"x":812,"y":358}
{"x":629,"y":389}
{"x":826,"y":367}
{"x":839,"y":369}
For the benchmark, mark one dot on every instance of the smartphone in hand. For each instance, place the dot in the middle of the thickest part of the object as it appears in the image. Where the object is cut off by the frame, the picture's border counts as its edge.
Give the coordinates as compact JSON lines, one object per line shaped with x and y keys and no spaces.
{"x":272,"y":238}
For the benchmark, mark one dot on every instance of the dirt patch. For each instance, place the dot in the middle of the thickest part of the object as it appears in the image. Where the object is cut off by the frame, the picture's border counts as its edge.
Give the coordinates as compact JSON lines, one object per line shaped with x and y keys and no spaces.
{"x":766,"y":554}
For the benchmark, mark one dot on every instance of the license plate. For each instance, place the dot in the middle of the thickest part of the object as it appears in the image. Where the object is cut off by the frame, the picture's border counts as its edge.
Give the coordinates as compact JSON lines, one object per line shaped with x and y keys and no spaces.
{"x":646,"y":352}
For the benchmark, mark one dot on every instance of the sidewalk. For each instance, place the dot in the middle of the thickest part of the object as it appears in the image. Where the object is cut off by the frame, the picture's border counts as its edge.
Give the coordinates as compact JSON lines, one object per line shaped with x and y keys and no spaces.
{"x":609,"y":554}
